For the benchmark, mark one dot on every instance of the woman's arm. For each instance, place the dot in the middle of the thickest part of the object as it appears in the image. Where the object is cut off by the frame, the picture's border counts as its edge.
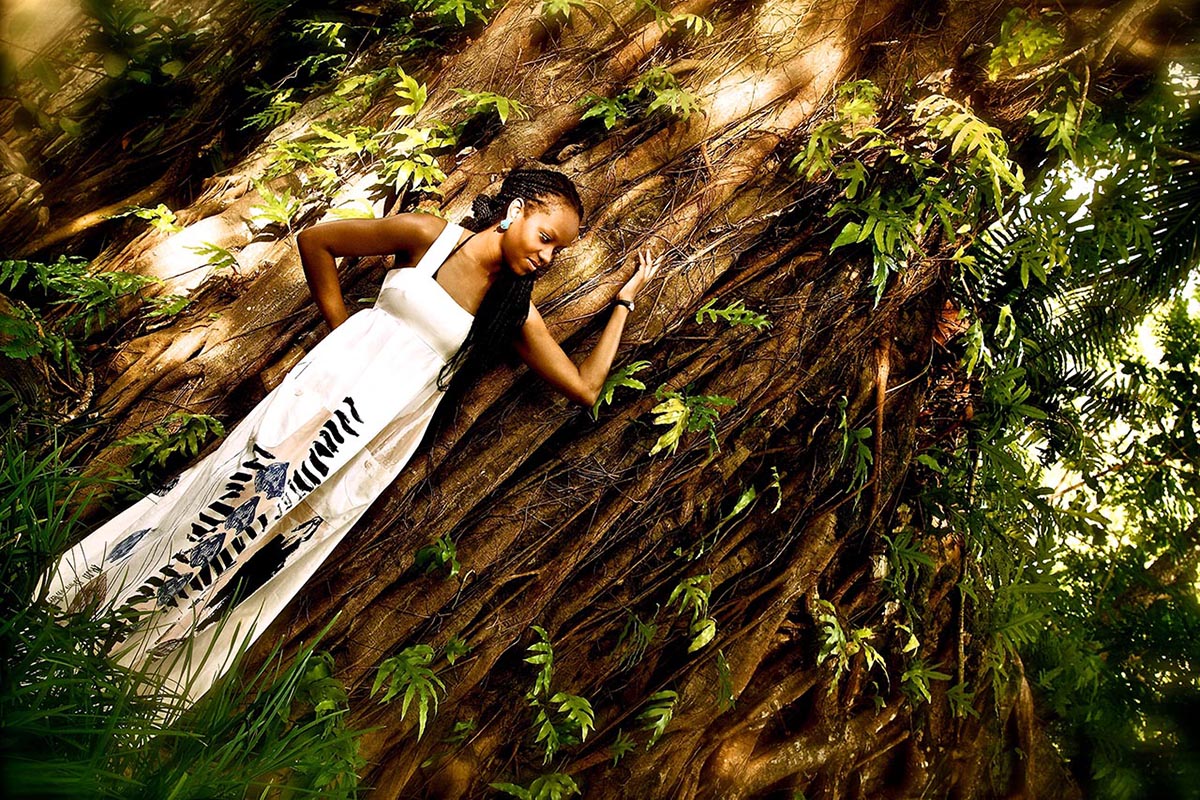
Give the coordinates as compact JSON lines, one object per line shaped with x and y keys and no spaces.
{"x":582,"y":383}
{"x":407,"y":235}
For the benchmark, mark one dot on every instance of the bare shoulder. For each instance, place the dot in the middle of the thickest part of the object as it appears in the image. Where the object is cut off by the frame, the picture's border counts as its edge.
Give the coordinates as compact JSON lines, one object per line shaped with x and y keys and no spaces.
{"x":407,"y":236}
{"x":414,"y":233}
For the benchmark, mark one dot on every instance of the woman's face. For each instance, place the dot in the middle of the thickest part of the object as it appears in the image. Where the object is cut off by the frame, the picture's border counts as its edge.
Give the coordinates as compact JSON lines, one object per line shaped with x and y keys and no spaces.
{"x":537,"y":232}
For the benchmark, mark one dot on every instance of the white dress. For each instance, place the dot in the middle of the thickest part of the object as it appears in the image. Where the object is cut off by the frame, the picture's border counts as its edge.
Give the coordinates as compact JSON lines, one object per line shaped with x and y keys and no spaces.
{"x":206,"y":564}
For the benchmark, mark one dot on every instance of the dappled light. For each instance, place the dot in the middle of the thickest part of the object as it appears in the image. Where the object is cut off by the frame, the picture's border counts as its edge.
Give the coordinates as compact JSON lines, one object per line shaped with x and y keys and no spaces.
{"x":889,"y":490}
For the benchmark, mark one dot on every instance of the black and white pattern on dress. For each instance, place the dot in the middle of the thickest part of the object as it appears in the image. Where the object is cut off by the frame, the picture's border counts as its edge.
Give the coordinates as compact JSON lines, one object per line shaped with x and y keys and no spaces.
{"x":126,"y":546}
{"x":259,"y":568}
{"x":254,"y":498}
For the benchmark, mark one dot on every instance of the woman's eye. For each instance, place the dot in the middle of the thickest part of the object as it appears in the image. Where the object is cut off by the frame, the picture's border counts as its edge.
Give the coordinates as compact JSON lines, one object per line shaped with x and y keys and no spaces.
{"x":545,"y":239}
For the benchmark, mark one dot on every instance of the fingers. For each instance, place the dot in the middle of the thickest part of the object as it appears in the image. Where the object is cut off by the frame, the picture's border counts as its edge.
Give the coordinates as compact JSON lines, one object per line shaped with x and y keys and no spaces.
{"x":647,"y":264}
{"x":647,"y":267}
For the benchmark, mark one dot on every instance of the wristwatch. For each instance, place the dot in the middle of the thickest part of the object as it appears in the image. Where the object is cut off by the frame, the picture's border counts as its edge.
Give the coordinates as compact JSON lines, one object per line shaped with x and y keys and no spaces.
{"x":627,"y":303}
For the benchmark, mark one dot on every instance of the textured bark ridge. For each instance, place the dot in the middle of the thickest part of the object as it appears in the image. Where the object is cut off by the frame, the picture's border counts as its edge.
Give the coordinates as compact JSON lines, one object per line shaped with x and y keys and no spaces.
{"x":568,"y":523}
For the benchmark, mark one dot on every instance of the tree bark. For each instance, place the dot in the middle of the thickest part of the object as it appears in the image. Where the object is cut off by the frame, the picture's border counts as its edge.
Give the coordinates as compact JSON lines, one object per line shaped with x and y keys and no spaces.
{"x":568,"y":523}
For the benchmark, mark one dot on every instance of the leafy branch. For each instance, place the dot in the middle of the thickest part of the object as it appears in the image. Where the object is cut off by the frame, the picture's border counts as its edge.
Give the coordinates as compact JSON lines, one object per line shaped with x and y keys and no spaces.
{"x":180,"y":434}
{"x":735,"y":314}
{"x":687,"y":413}
{"x":408,"y":673}
{"x":618,"y":379}
{"x":656,"y":89}
{"x":693,"y":593}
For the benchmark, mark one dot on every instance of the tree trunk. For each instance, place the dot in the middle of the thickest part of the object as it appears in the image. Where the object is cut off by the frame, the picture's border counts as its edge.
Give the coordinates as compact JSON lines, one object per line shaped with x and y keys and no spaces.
{"x":567,"y":523}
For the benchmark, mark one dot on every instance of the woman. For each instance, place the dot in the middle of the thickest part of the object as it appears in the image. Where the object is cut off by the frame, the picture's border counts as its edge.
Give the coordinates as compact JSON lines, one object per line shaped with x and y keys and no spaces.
{"x":200,"y":566}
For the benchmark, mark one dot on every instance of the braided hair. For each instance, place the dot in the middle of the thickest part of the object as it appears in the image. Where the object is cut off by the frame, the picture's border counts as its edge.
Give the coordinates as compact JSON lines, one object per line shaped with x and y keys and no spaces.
{"x":505,"y":306}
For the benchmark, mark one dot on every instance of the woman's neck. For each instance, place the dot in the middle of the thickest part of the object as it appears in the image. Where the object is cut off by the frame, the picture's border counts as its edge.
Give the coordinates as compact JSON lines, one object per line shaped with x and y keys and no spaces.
{"x":482,"y":249}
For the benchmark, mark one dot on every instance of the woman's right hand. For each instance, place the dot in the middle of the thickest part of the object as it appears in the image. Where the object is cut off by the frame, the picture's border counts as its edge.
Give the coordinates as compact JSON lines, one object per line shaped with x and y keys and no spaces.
{"x":647,"y":267}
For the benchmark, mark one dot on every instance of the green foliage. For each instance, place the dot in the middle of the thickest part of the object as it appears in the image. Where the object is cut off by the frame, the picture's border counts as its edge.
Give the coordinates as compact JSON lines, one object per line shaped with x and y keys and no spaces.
{"x":552,"y":786}
{"x":983,"y":146}
{"x":461,"y":731}
{"x":574,"y":718}
{"x":915,"y":680}
{"x":484,"y":103}
{"x":455,"y":649}
{"x":324,"y":47}
{"x":24,"y":335}
{"x":288,"y":155}
{"x":145,"y":61}
{"x":409,"y":160}
{"x":411,"y":92}
{"x":541,"y":655}
{"x":657,"y":714}
{"x":179,"y":435}
{"x":664,"y":92}
{"x":735,"y":314}
{"x":853,"y":442}
{"x":841,"y":647}
{"x":315,"y":52}
{"x":77,"y":724}
{"x":693,"y":593}
{"x":280,"y":106}
{"x":857,"y":106}
{"x":693,"y":23}
{"x":441,"y":555}
{"x":275,"y":209}
{"x":408,"y":672}
{"x":82,"y":299}
{"x":775,"y":484}
{"x":1023,"y":39}
{"x":685,"y":413}
{"x":635,"y":638}
{"x":745,"y":501}
{"x":138,"y":45}
{"x":615,"y":380}
{"x":358,"y":210}
{"x":726,"y":699}
{"x":160,"y":217}
{"x":578,"y":712}
{"x":962,"y":701}
{"x":167,"y":306}
{"x":895,"y":194}
{"x":334,"y":773}
{"x":905,"y":560}
{"x":655,"y":89}
{"x":560,"y":10}
{"x":407,"y":156}
{"x":689,"y":23}
{"x":621,"y":746}
{"x":548,"y":734}
{"x":609,"y":110}
{"x":215,"y":256}
{"x":1066,"y":118}
{"x":463,"y":11}
{"x":336,"y":145}
{"x":1082,"y":247}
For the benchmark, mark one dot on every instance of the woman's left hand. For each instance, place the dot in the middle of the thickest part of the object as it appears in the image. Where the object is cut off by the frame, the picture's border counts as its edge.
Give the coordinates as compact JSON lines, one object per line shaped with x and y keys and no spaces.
{"x":647,"y":267}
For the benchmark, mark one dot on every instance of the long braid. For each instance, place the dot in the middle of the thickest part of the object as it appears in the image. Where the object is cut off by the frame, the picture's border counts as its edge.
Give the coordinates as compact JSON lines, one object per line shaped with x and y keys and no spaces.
{"x":505,"y":306}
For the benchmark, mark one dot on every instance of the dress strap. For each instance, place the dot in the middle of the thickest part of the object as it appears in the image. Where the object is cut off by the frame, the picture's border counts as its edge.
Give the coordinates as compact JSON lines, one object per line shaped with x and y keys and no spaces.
{"x":439,"y":250}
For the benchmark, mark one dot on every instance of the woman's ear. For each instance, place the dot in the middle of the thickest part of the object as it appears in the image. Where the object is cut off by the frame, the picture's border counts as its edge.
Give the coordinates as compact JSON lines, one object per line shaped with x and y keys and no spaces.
{"x":515,"y":209}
